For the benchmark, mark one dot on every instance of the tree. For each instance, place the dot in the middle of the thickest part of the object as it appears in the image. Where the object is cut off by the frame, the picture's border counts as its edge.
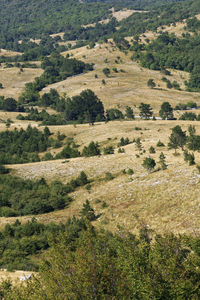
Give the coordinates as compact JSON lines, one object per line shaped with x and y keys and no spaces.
{"x":166,"y":111}
{"x":151,"y":83}
{"x":86,"y":106}
{"x":91,"y":150}
{"x":129,"y":113}
{"x":87,"y":211}
{"x":149,"y":163}
{"x":138,"y":144}
{"x":10,"y":104}
{"x":106,"y":72}
{"x":177,"y":138}
{"x":145,"y":111}
{"x":162,"y":161}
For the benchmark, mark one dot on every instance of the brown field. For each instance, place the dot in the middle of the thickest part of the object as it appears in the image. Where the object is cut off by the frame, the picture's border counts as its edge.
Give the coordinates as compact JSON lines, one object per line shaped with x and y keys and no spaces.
{"x":13,"y":80}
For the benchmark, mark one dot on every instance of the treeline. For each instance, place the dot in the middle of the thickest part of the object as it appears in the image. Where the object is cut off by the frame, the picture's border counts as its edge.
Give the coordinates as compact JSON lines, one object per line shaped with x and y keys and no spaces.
{"x":169,"y":51}
{"x":56,"y":68}
{"x":21,"y":146}
{"x":37,"y":19}
{"x":90,"y":264}
{"x":169,"y":12}
{"x":32,"y":50}
{"x":20,"y":197}
{"x":83,"y":108}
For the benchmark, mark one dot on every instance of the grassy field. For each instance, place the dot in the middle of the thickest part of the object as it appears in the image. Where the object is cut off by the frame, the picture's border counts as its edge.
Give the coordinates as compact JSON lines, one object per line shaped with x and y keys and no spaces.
{"x":165,"y":200}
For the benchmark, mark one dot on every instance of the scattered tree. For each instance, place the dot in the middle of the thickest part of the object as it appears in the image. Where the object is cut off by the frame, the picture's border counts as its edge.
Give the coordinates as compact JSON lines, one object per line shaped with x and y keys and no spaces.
{"x":177,"y":138}
{"x":166,"y":111}
{"x":145,"y":111}
{"x":149,"y":163}
{"x":151,"y":83}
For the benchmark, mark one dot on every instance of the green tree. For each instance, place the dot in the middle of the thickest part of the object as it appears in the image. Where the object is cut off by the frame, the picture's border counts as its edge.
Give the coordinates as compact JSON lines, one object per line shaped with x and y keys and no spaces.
{"x":129,"y":113}
{"x":87,"y":211}
{"x":151,"y":83}
{"x":149,"y":163}
{"x":138,"y":144}
{"x":145,"y":111}
{"x":162,"y":161}
{"x":166,"y":111}
{"x":91,"y":150}
{"x":106,"y":72}
{"x":177,"y":138}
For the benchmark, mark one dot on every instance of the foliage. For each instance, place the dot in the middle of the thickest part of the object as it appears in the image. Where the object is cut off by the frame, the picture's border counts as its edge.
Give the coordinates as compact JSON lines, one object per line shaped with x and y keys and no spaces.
{"x":106,"y":72}
{"x":145,"y":111}
{"x":129,"y":113}
{"x":189,"y":116}
{"x":22,"y":197}
{"x":90,"y":264}
{"x":91,"y":150}
{"x":87,"y":211}
{"x":113,"y":114}
{"x":108,"y":150}
{"x":149,"y":163}
{"x":86,"y":107}
{"x":160,"y":144}
{"x":166,"y":111}
{"x":151,"y":83}
{"x":177,"y":138}
{"x":162,"y":161}
{"x":19,"y":146}
{"x":152,"y":150}
{"x":124,"y":142}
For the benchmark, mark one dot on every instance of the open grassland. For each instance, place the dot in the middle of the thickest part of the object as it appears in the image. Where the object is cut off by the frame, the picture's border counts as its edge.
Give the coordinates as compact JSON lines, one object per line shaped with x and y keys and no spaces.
{"x":126,"y":87}
{"x":164,"y":200}
{"x":13,"y":80}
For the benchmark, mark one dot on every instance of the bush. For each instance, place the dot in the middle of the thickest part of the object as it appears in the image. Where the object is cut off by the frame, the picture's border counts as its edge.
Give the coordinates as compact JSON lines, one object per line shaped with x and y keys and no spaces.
{"x":109,"y":176}
{"x":130,"y":172}
{"x":149,"y":163}
{"x":160,"y":144}
{"x":152,"y":150}
{"x":108,"y":150}
{"x":91,"y":150}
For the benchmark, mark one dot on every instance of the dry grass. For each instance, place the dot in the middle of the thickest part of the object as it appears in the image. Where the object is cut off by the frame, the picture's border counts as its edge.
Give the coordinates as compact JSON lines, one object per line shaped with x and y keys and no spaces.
{"x":122,"y":88}
{"x":165,"y":200}
{"x":13,"y":80}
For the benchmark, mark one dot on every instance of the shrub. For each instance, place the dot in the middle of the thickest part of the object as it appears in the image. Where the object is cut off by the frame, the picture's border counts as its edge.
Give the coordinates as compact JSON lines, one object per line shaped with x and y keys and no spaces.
{"x":108,"y":150}
{"x":130,"y":171}
{"x":160,"y":144}
{"x":109,"y":176}
{"x":152,"y":150}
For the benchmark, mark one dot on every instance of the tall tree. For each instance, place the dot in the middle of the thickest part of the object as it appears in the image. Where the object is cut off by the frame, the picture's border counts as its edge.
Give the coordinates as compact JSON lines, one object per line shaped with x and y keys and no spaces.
{"x":177,"y":138}
{"x":145,"y":111}
{"x":166,"y":111}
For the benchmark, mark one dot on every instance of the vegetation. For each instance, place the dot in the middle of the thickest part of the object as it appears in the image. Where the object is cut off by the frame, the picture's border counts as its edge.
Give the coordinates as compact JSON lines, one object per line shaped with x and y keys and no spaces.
{"x":85,"y":262}
{"x":23,"y":197}
{"x":20,"y":146}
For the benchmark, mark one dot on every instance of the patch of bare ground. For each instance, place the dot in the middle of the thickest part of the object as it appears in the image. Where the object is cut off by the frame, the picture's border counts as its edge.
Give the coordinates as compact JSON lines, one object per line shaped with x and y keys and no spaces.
{"x":13,"y":80}
{"x":8,"y":53}
{"x":14,"y":276}
{"x":164,"y":200}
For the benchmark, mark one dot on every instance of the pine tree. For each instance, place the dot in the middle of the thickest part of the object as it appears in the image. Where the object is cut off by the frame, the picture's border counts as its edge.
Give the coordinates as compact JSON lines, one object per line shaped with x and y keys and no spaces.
{"x":162,"y":161}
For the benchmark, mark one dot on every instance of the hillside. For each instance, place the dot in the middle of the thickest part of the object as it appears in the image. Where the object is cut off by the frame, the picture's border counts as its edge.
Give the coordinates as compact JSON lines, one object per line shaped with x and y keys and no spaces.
{"x":82,"y":163}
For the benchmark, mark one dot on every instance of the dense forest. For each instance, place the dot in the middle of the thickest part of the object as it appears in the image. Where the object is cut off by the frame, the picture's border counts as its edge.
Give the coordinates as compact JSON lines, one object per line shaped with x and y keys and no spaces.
{"x":86,"y":263}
